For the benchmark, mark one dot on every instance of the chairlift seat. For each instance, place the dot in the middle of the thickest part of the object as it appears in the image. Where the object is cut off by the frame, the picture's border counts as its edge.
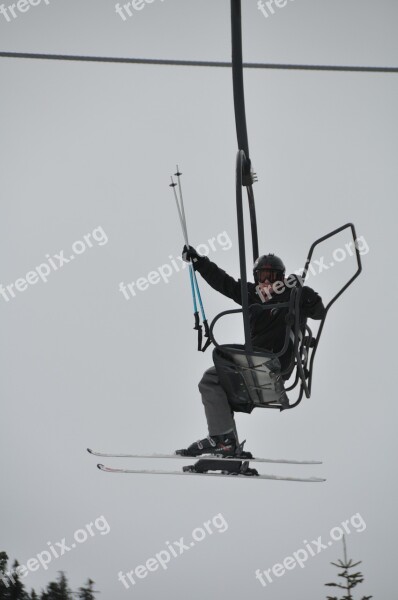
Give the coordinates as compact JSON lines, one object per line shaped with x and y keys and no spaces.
{"x":250,"y":380}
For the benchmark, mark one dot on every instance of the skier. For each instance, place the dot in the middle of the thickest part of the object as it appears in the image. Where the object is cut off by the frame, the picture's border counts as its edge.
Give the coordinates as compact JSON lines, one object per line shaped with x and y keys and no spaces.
{"x":267,"y":327}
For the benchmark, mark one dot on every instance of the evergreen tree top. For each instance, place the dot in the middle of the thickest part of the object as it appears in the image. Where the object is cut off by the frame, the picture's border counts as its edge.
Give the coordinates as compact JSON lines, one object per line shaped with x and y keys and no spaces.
{"x":350,"y":580}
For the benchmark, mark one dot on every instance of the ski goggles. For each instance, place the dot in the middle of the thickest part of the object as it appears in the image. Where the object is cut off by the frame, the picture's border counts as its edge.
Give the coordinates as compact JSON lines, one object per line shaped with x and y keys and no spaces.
{"x":262,"y":275}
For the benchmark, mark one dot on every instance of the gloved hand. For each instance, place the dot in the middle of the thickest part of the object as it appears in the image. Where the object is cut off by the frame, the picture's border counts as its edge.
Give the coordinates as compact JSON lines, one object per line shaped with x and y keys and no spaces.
{"x":189,"y":254}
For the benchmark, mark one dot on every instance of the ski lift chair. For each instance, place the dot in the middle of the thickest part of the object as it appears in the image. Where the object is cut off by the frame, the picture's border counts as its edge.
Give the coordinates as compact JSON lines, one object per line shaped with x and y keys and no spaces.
{"x":250,"y":376}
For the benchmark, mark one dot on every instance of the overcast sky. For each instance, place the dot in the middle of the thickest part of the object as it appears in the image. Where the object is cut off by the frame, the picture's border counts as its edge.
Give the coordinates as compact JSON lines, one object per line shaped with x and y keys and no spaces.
{"x":86,"y":153}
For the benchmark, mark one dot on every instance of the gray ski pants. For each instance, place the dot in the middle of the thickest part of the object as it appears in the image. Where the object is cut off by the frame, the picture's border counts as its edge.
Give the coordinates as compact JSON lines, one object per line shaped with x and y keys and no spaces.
{"x":219,"y":415}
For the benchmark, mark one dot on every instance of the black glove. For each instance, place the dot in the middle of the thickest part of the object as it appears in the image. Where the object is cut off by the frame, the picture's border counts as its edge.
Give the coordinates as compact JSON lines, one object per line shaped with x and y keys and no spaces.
{"x":189,"y":254}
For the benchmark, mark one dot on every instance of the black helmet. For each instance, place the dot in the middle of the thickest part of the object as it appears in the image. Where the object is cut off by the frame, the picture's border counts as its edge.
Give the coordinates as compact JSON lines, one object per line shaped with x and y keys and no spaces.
{"x":269,"y":267}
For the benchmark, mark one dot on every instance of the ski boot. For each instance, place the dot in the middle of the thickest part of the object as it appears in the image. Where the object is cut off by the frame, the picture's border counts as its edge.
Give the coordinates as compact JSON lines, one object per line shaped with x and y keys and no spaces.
{"x":217,"y":445}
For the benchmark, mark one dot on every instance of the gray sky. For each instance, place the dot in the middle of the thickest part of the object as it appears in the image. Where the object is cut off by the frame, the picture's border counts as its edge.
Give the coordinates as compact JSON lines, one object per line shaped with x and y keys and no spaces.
{"x":88,"y":149}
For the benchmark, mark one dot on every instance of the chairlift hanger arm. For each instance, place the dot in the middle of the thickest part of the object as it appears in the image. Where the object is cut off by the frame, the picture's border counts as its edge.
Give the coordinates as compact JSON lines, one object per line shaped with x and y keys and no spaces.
{"x":243,"y":164}
{"x":241,"y":127}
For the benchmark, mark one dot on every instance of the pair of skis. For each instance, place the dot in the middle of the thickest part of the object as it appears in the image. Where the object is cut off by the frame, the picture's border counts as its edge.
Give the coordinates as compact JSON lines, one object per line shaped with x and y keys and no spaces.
{"x":210,"y":461}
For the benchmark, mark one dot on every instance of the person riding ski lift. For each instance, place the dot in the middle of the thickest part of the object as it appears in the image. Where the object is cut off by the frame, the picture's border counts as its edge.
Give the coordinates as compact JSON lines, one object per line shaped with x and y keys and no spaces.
{"x":267,"y":328}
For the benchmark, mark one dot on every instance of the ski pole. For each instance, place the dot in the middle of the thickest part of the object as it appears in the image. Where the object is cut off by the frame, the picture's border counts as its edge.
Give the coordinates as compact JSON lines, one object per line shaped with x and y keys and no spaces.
{"x":183,"y":220}
{"x":192,"y":277}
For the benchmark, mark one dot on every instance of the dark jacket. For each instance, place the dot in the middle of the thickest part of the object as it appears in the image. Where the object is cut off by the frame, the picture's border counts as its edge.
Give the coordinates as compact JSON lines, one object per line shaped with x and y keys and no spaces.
{"x":268,"y":326}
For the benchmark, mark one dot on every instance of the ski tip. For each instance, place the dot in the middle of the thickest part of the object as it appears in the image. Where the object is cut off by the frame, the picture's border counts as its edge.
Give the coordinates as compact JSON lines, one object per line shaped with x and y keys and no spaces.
{"x":90,"y":451}
{"x":101,"y":467}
